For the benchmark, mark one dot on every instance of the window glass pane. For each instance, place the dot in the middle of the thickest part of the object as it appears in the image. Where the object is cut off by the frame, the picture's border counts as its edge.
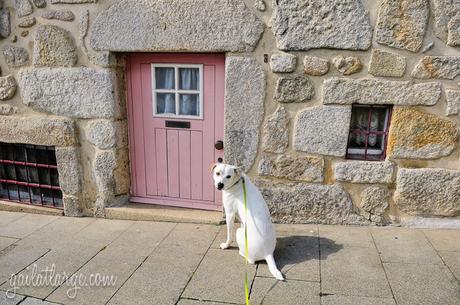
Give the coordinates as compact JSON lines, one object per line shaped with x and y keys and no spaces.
{"x":164,"y":78}
{"x":189,"y":104}
{"x":189,"y":78}
{"x":359,"y":118}
{"x":378,"y":119}
{"x":166,"y":103}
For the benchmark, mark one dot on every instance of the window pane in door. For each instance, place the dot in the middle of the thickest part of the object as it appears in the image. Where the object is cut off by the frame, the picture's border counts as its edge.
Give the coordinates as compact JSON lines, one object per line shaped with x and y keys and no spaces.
{"x":164,"y":78}
{"x":189,"y":78}
{"x":189,"y":104}
{"x":166,"y":103}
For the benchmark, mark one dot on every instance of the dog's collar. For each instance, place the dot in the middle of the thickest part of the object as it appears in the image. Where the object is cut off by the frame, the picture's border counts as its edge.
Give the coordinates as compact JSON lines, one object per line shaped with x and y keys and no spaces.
{"x":238,"y":181}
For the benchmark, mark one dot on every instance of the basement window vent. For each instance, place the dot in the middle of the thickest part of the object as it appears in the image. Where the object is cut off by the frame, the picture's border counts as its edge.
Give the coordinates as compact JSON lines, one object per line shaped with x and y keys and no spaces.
{"x":368,"y":132}
{"x":28,"y":174}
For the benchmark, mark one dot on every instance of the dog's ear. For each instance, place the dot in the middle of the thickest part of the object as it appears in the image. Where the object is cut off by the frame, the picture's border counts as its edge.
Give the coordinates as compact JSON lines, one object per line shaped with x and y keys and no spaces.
{"x":213,"y":166}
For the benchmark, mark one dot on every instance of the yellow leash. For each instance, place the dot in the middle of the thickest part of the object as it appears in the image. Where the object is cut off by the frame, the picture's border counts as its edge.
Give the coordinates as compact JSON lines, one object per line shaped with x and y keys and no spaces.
{"x":246,"y":254}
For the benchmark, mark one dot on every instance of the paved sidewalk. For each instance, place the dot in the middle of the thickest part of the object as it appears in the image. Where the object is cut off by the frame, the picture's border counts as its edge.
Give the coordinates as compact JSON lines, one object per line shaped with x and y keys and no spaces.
{"x":170,"y":263}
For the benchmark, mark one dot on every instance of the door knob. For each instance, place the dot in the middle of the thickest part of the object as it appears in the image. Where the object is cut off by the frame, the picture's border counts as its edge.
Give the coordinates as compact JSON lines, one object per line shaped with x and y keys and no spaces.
{"x":219,"y":145}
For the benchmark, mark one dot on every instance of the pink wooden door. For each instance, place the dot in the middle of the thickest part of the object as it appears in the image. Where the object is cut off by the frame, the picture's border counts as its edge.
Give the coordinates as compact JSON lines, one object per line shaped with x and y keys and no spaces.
{"x":176,"y":113}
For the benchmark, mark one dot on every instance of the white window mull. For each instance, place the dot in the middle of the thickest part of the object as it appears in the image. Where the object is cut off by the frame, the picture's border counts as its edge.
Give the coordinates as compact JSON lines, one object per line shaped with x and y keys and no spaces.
{"x":188,"y":80}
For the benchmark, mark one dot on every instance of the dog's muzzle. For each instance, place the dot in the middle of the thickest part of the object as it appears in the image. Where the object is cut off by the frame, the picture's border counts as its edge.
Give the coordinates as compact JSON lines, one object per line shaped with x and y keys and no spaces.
{"x":220,"y":186}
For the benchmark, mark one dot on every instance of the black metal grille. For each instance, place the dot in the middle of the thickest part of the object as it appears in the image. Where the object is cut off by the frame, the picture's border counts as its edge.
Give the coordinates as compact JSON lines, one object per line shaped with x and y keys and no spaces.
{"x":28,"y":174}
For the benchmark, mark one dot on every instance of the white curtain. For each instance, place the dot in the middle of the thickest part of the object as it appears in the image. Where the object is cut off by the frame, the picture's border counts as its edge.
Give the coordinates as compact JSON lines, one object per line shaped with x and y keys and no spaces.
{"x":166,"y":103}
{"x":164,"y":78}
{"x":189,"y":79}
{"x":360,"y":122}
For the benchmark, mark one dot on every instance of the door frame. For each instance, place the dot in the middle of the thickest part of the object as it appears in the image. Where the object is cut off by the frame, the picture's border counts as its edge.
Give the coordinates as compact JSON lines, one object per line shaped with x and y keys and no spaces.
{"x":135,"y":136}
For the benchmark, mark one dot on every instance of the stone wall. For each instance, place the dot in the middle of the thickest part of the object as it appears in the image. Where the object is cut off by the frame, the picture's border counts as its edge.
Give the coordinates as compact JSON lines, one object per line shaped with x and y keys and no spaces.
{"x":294,"y":68}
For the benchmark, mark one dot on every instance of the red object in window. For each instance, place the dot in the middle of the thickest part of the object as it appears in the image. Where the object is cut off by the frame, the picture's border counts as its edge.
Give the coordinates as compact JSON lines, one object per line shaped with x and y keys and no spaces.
{"x":368,"y":135}
{"x":28,"y":174}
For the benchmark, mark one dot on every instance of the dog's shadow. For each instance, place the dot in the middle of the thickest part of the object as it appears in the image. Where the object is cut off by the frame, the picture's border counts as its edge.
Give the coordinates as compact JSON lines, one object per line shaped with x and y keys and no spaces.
{"x":291,"y":250}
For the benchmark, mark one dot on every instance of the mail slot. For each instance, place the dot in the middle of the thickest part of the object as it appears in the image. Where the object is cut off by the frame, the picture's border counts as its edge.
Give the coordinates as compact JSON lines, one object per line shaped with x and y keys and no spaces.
{"x":177,"y":124}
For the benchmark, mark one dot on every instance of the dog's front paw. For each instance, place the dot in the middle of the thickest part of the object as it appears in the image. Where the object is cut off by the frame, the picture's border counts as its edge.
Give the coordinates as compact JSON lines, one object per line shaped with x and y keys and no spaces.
{"x":224,"y":246}
{"x":279,"y":276}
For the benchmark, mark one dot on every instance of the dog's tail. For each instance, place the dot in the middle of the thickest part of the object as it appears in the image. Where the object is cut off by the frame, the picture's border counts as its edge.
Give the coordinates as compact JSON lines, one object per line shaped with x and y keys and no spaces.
{"x":272,"y":267}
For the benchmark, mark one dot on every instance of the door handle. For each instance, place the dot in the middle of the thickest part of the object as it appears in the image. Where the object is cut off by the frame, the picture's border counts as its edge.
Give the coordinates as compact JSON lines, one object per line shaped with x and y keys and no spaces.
{"x":219,"y":145}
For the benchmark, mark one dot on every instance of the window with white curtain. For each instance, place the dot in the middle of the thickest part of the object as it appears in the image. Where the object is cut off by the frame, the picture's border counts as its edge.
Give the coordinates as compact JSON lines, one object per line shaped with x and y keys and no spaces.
{"x":369,"y":132}
{"x":177,"y":90}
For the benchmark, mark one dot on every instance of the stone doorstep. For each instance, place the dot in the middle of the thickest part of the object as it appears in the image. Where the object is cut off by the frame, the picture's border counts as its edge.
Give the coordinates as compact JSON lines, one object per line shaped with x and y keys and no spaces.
{"x":27,"y":208}
{"x":148,"y":212}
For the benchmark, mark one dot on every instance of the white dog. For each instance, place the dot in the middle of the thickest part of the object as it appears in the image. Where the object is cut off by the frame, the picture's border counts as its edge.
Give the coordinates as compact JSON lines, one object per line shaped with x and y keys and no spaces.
{"x":261,"y":232}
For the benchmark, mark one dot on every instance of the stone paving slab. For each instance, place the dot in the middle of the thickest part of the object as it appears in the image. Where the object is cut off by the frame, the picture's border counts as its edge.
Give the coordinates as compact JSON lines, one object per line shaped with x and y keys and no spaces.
{"x":353,"y":271}
{"x":354,"y":300}
{"x":269,"y":291}
{"x":7,"y":217}
{"x":118,"y":259}
{"x":166,"y":272}
{"x":444,"y":240}
{"x":169,"y":263}
{"x":16,"y":258}
{"x":452,"y":260}
{"x":9,"y":299}
{"x":33,"y":301}
{"x":196,"y":302}
{"x":297,"y":257}
{"x":23,"y":226}
{"x":346,"y":236}
{"x":57,"y":234}
{"x":398,"y":245}
{"x":422,"y":284}
{"x":6,"y":242}
{"x":220,"y":277}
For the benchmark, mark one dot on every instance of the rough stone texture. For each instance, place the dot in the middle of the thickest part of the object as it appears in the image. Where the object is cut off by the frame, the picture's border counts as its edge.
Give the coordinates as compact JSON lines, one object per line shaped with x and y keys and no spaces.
{"x":5,"y":25}
{"x":121,"y":172}
{"x":418,"y":135}
{"x":7,"y":87}
{"x":283,"y":62}
{"x":69,"y":169}
{"x":309,"y":203}
{"x":323,"y":130}
{"x":27,"y":22}
{"x":364,"y":172}
{"x":176,"y":25}
{"x":72,"y":206}
{"x":379,"y":91}
{"x":39,"y":3}
{"x":453,"y":102}
{"x":315,"y":66}
{"x":73,"y":1}
{"x":310,"y":24}
{"x":103,"y":166}
{"x":446,"y":13}
{"x":292,"y":89}
{"x":73,"y":92}
{"x":23,"y":7}
{"x":15,"y":56}
{"x":374,"y":202}
{"x":38,"y":130}
{"x":402,"y":23}
{"x":388,"y":64}
{"x":442,"y":67}
{"x":275,"y":132}
{"x":244,"y":110}
{"x":54,"y":46}
{"x":453,"y":28}
{"x":260,"y":5}
{"x":59,"y":15}
{"x":24,"y":33}
{"x":293,"y":167}
{"x":101,"y":133}
{"x":347,"y":65}
{"x":6,"y":109}
{"x":428,"y":192}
